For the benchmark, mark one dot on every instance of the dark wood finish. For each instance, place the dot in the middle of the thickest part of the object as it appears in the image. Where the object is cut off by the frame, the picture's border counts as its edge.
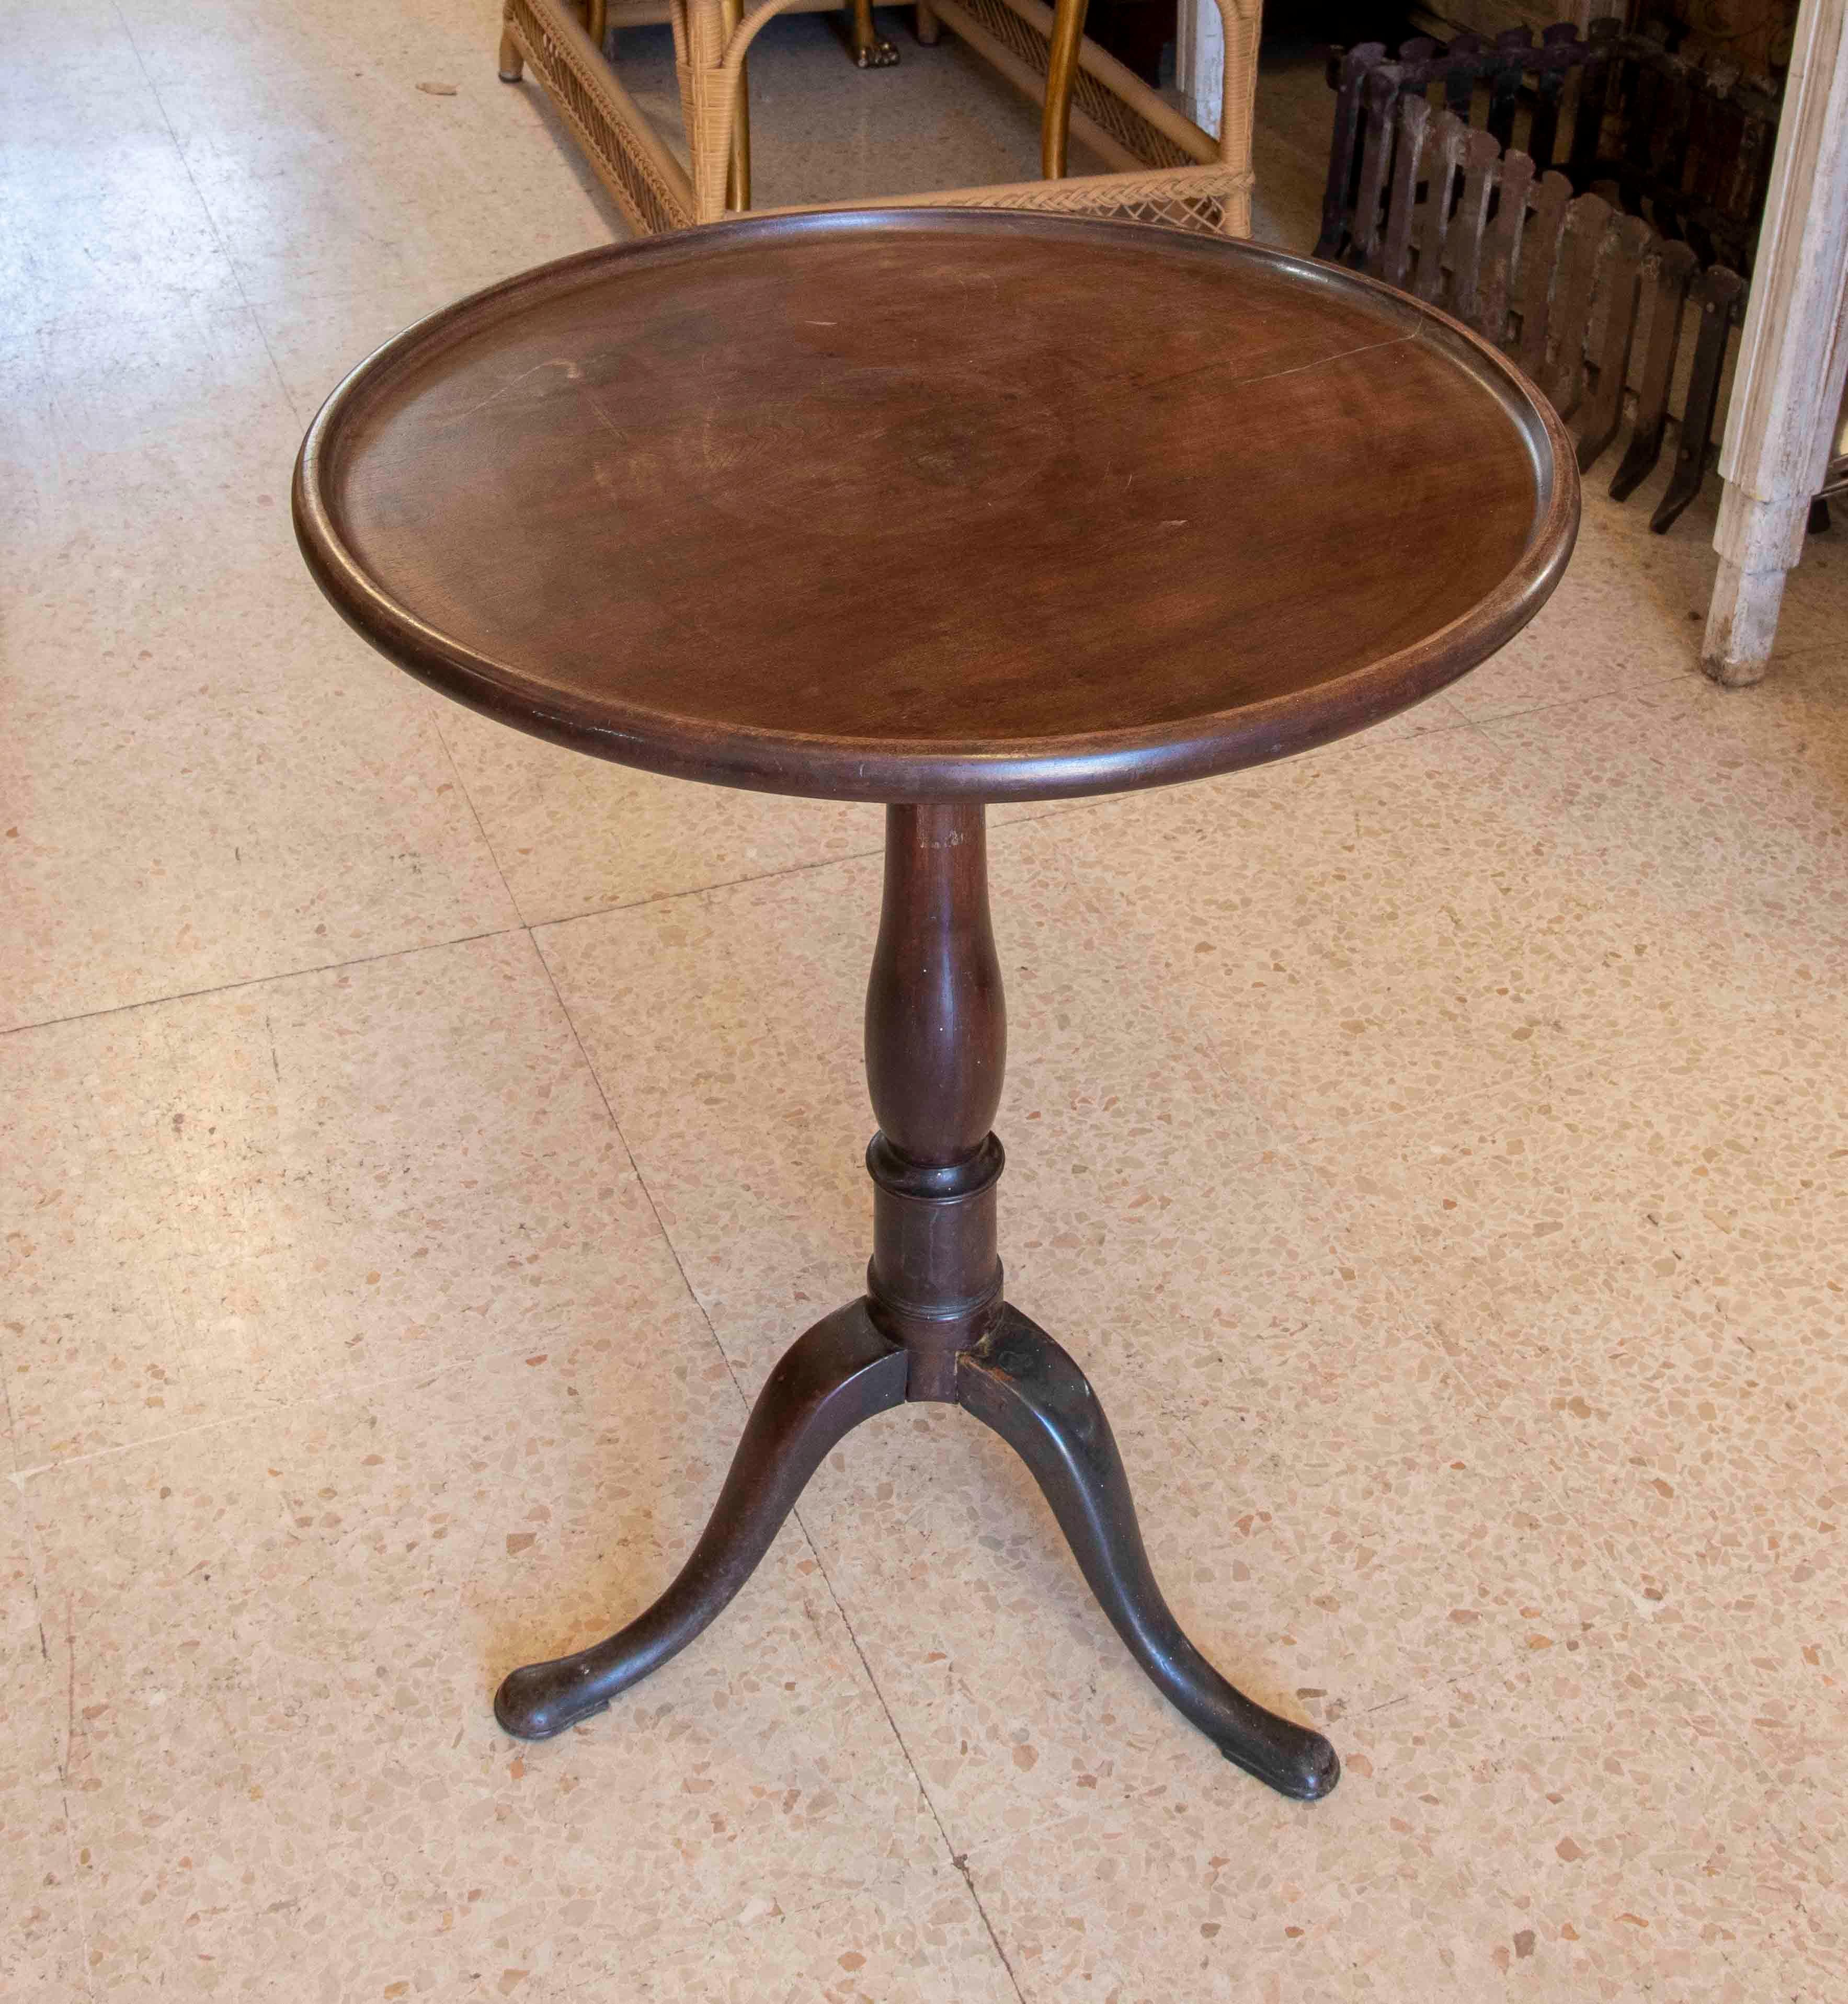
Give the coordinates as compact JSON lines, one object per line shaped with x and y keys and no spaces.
{"x":1667,"y":271}
{"x":1408,"y":171}
{"x":1577,"y":260}
{"x":1338,"y":197}
{"x":1501,"y":257}
{"x":936,"y":1044}
{"x":1594,"y":102}
{"x":842,"y":1370}
{"x":626,"y":502}
{"x":1513,"y":48}
{"x":1021,"y":1383}
{"x":1543,"y":132}
{"x":1443,"y":156}
{"x":718,"y":461}
{"x":1622,"y":290}
{"x":1459,"y":84}
{"x":1719,"y":295}
{"x":932,"y":1325}
{"x":1481,"y":156}
{"x":1587,"y":220}
{"x":1379,"y":95}
{"x":1689,"y":149}
{"x":1539,"y":267}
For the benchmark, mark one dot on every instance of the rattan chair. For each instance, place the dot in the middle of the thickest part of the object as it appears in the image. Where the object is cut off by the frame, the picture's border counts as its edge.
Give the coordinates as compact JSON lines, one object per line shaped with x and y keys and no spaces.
{"x":1166,"y":169}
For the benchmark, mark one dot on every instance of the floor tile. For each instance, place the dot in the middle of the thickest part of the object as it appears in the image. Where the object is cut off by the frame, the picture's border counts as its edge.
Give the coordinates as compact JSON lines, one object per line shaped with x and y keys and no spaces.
{"x":1549,"y":1829}
{"x":41,"y":1917}
{"x":935,"y":1951}
{"x":209,"y":780}
{"x":350,"y":180}
{"x":1662,"y":805}
{"x":317,"y":341}
{"x":184,"y":815}
{"x":1629,"y":613}
{"x":1809,"y":617}
{"x":1379,"y":928}
{"x":282,"y":1643}
{"x":927,"y":1947}
{"x":1634,"y":1273}
{"x":158,"y":443}
{"x":725,"y":1028}
{"x":245,"y":1199}
{"x":91,"y":227}
{"x":573,"y":835}
{"x":180,"y":41}
{"x":122,"y":888}
{"x":1385,"y":1562}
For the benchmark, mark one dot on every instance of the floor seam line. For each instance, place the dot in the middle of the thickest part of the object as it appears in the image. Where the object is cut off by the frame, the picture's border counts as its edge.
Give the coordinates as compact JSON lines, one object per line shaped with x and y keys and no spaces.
{"x":481,"y":827}
{"x":795,"y":1512}
{"x":706,"y":890}
{"x":1058,"y":810}
{"x":34,"y":1545}
{"x":635,"y":1167}
{"x":224,"y":248}
{"x":262,"y":980}
{"x":959,"y":1860}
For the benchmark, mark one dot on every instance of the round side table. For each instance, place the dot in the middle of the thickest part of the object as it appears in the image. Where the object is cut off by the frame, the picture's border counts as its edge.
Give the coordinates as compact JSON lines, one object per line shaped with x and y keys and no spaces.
{"x":936,"y":508}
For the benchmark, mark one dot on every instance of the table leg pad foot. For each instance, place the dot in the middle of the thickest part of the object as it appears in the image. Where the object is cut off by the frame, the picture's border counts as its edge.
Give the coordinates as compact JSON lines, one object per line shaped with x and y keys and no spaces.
{"x":841,"y":1371}
{"x":539,"y":1701}
{"x":1019,"y":1382}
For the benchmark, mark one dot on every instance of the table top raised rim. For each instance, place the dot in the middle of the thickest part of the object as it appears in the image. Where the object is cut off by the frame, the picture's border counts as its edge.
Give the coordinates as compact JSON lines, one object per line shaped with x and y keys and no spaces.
{"x":937,"y":769}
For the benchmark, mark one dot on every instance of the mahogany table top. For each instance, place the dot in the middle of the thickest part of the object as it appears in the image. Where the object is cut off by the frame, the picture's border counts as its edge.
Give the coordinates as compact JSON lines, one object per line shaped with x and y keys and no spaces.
{"x":937,"y":504}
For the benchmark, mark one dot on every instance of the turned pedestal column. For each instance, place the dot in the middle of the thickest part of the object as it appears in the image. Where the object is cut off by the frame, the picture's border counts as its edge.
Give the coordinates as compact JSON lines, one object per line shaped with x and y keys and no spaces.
{"x":932,"y":1324}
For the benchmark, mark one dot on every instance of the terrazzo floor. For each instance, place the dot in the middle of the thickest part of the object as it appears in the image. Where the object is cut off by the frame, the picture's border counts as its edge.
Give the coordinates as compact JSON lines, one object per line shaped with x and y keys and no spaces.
{"x":417,"y":1143}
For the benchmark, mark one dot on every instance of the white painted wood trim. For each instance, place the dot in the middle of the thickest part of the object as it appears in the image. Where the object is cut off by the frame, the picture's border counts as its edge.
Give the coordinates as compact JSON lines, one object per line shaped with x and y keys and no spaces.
{"x":1794,"y":357}
{"x":1200,"y":61}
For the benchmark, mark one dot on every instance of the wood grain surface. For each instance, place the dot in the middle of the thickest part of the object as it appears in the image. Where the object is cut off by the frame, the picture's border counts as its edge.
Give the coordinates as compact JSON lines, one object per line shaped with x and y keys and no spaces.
{"x":931,"y":506}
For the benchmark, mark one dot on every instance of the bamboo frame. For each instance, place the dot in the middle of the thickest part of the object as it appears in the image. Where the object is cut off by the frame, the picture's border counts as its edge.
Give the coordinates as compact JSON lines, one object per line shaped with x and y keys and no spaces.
{"x":1168,"y":170}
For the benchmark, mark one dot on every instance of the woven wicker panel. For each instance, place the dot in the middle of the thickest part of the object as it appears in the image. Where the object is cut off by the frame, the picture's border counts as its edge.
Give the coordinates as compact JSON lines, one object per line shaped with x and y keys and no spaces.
{"x":1204,"y":218}
{"x":1104,"y":107}
{"x":622,"y":151}
{"x":1205,"y":201}
{"x":1210,"y":201}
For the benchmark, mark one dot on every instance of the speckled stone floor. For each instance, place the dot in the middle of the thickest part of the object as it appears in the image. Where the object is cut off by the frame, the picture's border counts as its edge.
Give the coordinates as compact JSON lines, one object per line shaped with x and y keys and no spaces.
{"x":1437,"y":1148}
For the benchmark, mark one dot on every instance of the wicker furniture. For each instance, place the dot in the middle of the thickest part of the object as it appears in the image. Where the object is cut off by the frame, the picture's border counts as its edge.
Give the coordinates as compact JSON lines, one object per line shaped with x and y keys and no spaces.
{"x":1146,"y":468}
{"x":1164,"y":167}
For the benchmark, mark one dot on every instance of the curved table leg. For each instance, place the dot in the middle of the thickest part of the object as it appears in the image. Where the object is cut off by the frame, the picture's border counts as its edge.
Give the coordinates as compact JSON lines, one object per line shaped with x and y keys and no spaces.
{"x":1019,"y":1382}
{"x":842,"y":1370}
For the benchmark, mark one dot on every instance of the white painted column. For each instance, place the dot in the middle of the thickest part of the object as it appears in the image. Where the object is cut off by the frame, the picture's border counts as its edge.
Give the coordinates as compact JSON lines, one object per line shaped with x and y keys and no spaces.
{"x":1794,"y":357}
{"x":1200,"y":61}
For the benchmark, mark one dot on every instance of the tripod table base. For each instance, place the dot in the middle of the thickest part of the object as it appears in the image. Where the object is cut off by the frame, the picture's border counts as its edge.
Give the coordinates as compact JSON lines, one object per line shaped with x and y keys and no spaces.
{"x":1016,"y":1380}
